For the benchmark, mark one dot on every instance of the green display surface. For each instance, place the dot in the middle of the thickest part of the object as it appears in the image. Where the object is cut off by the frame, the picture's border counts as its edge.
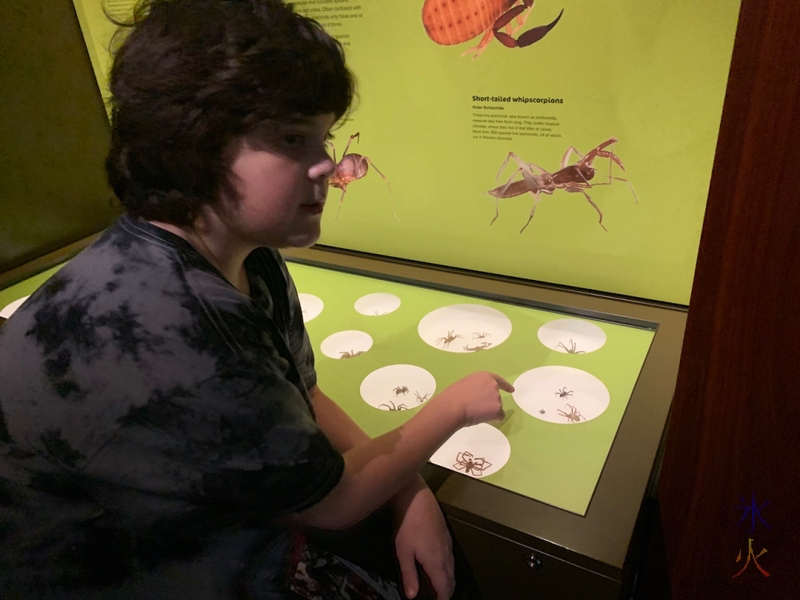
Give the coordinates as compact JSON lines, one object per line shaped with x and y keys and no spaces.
{"x":25,"y":288}
{"x":556,"y":461}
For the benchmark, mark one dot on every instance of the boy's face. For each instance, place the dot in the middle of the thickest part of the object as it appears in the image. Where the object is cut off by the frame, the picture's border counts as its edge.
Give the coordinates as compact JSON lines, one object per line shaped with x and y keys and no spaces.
{"x":280,"y":173}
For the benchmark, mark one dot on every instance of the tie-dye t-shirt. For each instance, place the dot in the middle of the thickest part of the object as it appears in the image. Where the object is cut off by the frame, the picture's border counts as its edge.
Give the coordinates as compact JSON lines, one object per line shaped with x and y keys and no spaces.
{"x":155,"y":425}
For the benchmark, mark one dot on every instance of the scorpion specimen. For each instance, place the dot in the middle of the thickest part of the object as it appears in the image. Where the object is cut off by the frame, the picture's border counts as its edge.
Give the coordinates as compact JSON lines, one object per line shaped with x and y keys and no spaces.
{"x":351,"y":167}
{"x":574,"y":178}
{"x":448,"y":22}
{"x":481,"y":346}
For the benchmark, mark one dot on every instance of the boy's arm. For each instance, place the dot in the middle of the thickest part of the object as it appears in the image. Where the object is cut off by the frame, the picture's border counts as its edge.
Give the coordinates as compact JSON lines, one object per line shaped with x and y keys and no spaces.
{"x":421,"y":533}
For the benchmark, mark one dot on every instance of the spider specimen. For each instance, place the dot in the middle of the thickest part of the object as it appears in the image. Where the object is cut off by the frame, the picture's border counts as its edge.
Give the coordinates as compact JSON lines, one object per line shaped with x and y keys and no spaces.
{"x":471,"y":465}
{"x":573,"y":416}
{"x":571,"y":350}
{"x":422,"y":399}
{"x":481,"y":346}
{"x":391,"y":406}
{"x":476,"y":335}
{"x":541,"y":412}
{"x":351,"y":354}
{"x":563,"y":393}
{"x":400,"y":390}
{"x":449,"y":338}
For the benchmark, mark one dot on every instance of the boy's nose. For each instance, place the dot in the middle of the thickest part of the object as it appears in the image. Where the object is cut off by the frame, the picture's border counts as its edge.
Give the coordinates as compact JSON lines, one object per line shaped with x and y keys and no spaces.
{"x":324,"y":168}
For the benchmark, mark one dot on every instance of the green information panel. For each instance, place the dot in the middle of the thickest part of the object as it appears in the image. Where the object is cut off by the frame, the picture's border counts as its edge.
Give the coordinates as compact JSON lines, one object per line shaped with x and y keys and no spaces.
{"x":383,"y":349}
{"x":612,"y":113}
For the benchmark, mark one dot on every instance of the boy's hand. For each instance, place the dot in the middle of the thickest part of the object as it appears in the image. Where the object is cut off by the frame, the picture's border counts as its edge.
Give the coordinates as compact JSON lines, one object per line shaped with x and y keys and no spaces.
{"x":422,"y":537}
{"x":476,"y":397}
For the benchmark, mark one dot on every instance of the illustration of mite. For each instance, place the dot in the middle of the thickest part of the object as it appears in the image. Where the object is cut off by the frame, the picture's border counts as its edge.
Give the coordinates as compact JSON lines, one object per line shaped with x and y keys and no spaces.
{"x":450,"y":22}
{"x":563,"y":393}
{"x":351,"y":167}
{"x":351,"y":354}
{"x":391,"y":406}
{"x":572,"y":349}
{"x":469,"y":464}
{"x":573,"y":416}
{"x":400,"y":390}
{"x":449,"y":338}
{"x":570,"y":178}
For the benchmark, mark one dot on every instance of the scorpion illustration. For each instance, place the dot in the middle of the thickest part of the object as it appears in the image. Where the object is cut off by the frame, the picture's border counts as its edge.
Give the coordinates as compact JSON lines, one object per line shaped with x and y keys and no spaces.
{"x":450,"y":22}
{"x":466,"y":462}
{"x":421,"y":399}
{"x":572,"y":349}
{"x":573,"y":416}
{"x":563,"y":393}
{"x":573,"y":178}
{"x":351,"y":167}
{"x":449,"y":338}
{"x":481,"y":346}
{"x":400,"y":390}
{"x":351,"y":354}
{"x":391,"y":406}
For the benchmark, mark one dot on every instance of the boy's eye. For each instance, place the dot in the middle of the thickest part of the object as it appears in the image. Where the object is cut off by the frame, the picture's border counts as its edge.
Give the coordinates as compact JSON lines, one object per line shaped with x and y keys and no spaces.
{"x":294,"y":139}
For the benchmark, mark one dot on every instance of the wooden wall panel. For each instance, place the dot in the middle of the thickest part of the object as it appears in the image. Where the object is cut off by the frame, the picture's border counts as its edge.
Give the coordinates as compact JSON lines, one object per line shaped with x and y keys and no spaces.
{"x":734,"y":433}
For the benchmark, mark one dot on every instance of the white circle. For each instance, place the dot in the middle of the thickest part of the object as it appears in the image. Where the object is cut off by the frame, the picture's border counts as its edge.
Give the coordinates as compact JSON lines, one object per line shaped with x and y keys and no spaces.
{"x":561,"y":395}
{"x":346,"y":344}
{"x":476,"y":451}
{"x":398,"y":387}
{"x":377,"y":305}
{"x":464,"y":328}
{"x":572,"y":336}
{"x":10,"y":309}
{"x":311,"y":305}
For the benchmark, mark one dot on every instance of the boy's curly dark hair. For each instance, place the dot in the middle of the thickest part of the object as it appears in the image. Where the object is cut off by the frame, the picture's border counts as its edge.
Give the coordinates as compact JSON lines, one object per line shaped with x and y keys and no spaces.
{"x":192,"y":76}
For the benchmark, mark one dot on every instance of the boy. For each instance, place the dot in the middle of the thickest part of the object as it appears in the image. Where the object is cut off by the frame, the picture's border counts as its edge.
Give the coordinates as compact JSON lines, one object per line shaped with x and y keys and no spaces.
{"x":162,"y":433}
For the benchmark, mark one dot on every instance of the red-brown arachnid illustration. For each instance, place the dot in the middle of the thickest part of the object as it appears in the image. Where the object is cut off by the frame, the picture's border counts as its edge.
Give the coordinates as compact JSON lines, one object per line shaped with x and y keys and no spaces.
{"x":351,"y":167}
{"x":450,"y":22}
{"x":573,"y":178}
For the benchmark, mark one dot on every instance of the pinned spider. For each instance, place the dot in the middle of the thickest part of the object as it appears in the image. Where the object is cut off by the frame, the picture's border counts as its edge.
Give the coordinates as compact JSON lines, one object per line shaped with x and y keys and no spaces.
{"x":391,"y":406}
{"x":572,"y":349}
{"x":449,"y":338}
{"x":422,"y":399}
{"x":351,"y":354}
{"x":471,"y":465}
{"x":563,"y":393}
{"x":400,"y":390}
{"x":573,"y":416}
{"x":481,"y":346}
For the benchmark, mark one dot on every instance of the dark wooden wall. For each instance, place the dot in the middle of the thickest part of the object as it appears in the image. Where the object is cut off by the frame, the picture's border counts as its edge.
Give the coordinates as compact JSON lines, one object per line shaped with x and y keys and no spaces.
{"x":735,"y":424}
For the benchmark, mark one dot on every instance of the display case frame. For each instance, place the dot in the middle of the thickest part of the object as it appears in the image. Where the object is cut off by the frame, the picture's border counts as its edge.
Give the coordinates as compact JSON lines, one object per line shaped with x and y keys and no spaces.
{"x":537,"y":548}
